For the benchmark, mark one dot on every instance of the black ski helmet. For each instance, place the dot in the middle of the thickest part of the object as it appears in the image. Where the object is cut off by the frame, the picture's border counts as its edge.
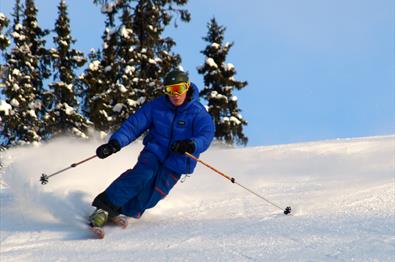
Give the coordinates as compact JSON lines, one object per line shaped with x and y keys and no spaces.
{"x":175,"y":77}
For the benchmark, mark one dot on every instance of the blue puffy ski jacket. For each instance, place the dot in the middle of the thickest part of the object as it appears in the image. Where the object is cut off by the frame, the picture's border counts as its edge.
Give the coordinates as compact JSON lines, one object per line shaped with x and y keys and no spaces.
{"x":166,"y":124}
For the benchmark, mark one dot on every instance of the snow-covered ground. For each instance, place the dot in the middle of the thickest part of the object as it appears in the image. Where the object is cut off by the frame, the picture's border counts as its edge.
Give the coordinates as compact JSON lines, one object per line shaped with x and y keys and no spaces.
{"x":341,"y":191}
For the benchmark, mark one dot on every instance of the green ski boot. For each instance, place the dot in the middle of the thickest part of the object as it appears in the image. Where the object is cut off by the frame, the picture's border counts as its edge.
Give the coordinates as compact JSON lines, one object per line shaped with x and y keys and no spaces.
{"x":98,"y":218}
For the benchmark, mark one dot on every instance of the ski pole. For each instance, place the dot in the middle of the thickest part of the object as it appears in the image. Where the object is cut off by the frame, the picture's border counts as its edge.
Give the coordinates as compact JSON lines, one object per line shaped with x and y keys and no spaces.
{"x":286,"y":211}
{"x":44,"y":178}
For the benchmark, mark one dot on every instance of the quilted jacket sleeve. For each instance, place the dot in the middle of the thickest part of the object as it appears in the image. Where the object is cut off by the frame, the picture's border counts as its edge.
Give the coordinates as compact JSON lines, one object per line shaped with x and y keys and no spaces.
{"x":134,"y":126}
{"x":203,"y":132}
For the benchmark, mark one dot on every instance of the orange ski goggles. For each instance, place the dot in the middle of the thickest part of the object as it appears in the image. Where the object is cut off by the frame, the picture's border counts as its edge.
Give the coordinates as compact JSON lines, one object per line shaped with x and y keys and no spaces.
{"x":177,"y":89}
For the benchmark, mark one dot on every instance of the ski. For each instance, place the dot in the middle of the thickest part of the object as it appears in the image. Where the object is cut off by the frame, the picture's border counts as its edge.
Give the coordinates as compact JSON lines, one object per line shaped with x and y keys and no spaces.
{"x":121,"y":221}
{"x":98,"y":231}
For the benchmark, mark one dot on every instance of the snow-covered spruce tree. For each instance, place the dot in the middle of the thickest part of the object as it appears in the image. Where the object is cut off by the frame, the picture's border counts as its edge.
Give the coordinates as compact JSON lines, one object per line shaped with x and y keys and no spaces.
{"x":139,"y":59}
{"x":127,"y":96}
{"x":219,"y":87}
{"x":100,"y":78}
{"x":4,"y":40}
{"x":62,"y":114}
{"x":27,"y":67}
{"x":156,"y":56}
{"x":36,"y":37}
{"x":4,"y":43}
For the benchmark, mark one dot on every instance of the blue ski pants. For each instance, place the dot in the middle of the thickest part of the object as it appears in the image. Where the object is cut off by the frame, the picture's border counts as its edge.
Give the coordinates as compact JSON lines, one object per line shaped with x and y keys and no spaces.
{"x":142,"y":187}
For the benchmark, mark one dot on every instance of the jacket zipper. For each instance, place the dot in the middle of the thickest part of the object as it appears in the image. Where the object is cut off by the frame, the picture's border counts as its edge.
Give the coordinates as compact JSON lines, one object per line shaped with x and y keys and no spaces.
{"x":171,"y":134}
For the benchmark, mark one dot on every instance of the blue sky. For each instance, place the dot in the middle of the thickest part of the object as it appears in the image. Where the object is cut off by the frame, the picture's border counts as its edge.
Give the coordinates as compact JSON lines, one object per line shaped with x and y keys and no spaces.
{"x":316,"y":69}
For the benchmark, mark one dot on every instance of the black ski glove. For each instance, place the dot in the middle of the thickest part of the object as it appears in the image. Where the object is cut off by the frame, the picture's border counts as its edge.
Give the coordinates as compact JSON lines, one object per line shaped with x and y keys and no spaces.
{"x":108,"y":149}
{"x":183,"y":146}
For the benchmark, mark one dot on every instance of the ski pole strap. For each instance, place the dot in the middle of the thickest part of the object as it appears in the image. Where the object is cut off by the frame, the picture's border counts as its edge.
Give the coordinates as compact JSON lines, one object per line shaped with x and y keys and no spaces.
{"x":231,"y":179}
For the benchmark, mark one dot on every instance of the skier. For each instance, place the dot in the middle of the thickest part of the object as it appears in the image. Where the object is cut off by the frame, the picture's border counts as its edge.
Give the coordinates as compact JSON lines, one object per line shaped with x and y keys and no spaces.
{"x":176,"y":123}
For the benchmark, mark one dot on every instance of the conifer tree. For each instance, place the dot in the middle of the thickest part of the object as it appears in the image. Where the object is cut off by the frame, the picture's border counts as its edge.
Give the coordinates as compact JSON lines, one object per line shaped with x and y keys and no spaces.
{"x":100,"y":78}
{"x":157,"y":59}
{"x":36,"y":38}
{"x":127,"y":94}
{"x":133,"y":61}
{"x":63,"y":107}
{"x":27,"y":67}
{"x":4,"y":41}
{"x":220,"y":85}
{"x":18,"y":12}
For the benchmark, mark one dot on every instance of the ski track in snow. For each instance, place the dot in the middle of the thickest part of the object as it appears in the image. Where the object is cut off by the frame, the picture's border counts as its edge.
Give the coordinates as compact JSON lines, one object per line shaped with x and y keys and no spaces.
{"x":341,"y":192}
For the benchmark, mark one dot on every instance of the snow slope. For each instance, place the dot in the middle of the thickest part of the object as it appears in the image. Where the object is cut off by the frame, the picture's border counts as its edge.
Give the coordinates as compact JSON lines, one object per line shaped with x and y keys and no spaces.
{"x":342,"y":192}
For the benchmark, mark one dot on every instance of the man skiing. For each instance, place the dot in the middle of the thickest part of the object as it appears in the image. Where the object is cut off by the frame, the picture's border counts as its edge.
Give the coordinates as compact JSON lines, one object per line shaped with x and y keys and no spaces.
{"x":176,"y":123}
